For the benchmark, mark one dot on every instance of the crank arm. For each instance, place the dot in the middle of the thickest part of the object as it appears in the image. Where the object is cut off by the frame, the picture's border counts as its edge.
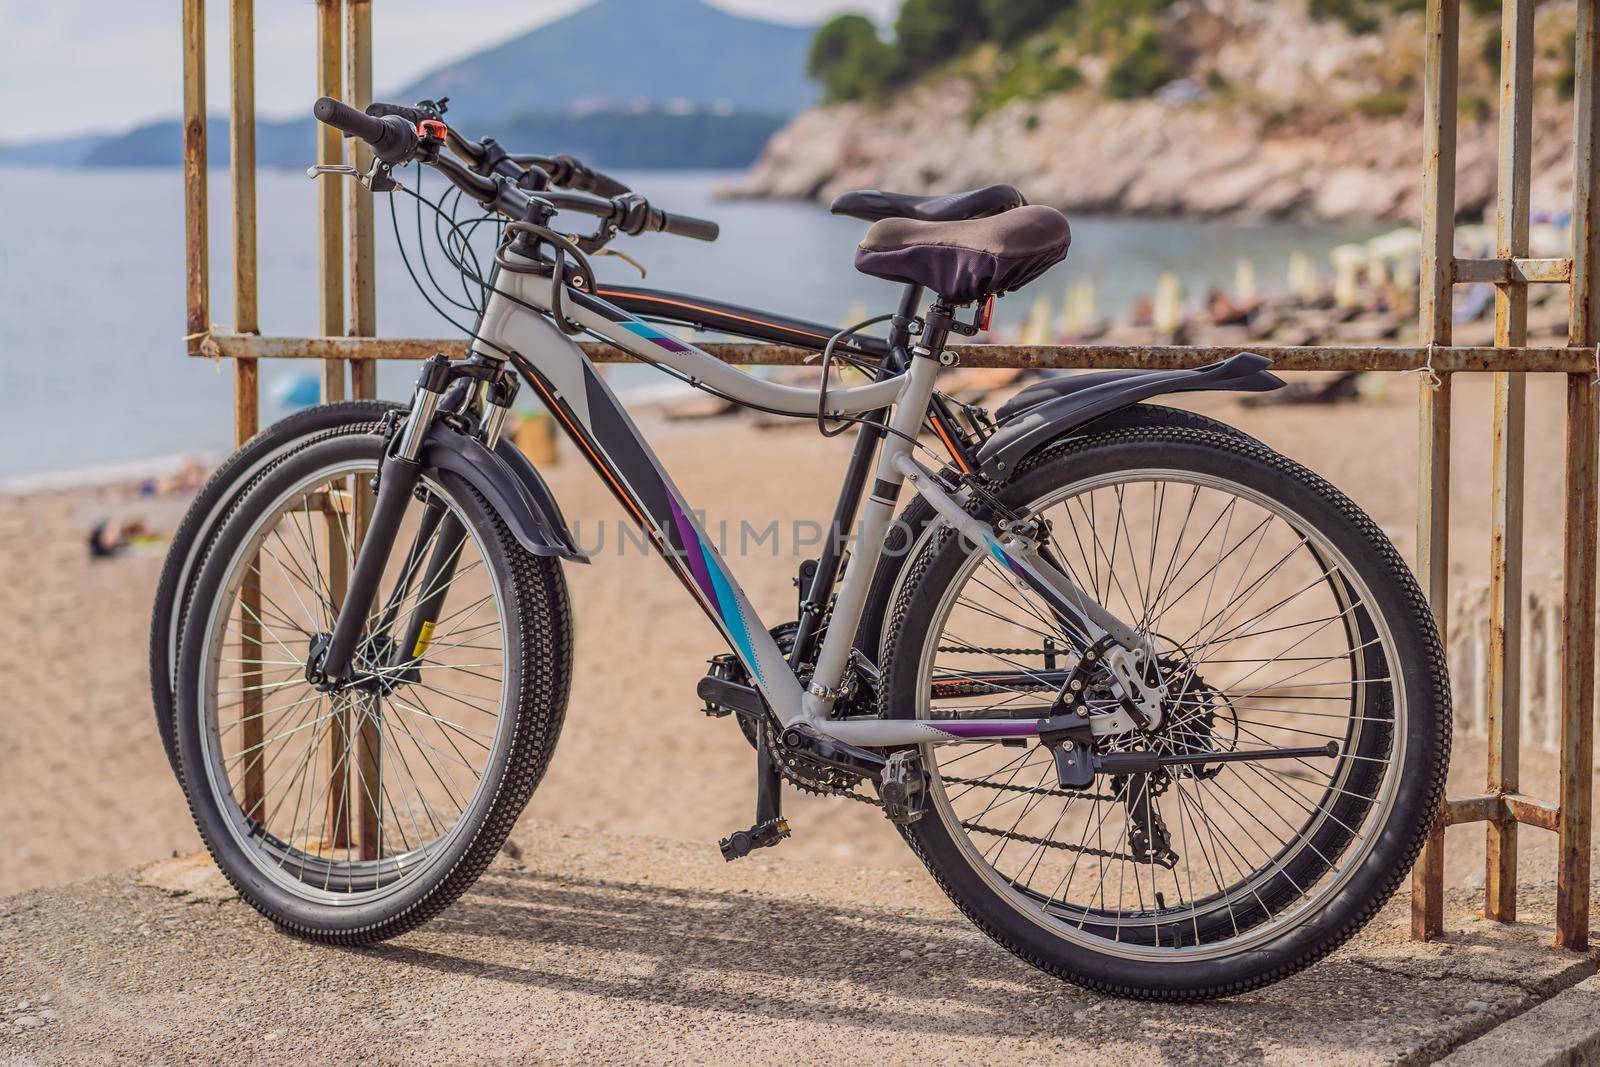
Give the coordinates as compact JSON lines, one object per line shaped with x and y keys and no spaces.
{"x":833,"y":753}
{"x":1145,"y":762}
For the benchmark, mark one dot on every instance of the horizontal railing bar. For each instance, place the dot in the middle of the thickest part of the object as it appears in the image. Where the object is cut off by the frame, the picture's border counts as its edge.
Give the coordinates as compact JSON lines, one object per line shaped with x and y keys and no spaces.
{"x":1516,"y":271}
{"x":1458,"y":810}
{"x":1041,"y":357}
{"x":1532,"y":812}
{"x":1507,"y":807}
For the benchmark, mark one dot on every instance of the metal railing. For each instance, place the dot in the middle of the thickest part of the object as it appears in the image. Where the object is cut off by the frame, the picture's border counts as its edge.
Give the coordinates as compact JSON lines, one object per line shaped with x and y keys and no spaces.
{"x":347,"y":320}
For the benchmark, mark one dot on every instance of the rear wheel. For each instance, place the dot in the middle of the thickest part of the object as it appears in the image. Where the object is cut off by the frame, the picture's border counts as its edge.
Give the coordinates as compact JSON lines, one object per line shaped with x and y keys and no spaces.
{"x":201,"y":522}
{"x":1281,"y":618}
{"x":353,"y":814}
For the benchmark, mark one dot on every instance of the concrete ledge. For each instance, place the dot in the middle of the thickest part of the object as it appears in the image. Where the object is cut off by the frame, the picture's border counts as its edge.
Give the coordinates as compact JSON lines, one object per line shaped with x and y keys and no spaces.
{"x":580,"y":946}
{"x":1562,"y":1032}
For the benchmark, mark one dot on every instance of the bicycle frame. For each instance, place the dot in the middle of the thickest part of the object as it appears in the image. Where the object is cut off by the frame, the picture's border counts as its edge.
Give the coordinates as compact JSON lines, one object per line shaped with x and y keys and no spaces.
{"x":590,"y":413}
{"x":893,"y":408}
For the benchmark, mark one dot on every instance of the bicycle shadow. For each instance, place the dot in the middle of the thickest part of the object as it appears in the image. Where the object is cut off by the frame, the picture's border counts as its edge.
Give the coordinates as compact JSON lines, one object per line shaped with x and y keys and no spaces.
{"x":744,"y":952}
{"x":778,"y":958}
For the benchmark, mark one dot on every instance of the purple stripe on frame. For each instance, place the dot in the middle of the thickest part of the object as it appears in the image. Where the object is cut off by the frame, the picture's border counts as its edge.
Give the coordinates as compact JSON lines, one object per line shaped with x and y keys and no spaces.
{"x":987,"y":729}
{"x":691,"y":549}
{"x":671,"y":344}
{"x":650,"y":333}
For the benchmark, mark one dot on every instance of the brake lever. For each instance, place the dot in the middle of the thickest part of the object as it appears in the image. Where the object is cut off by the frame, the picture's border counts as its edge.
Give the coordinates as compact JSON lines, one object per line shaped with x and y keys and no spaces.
{"x":629,"y":260}
{"x":594,"y":244}
{"x":380,"y":178}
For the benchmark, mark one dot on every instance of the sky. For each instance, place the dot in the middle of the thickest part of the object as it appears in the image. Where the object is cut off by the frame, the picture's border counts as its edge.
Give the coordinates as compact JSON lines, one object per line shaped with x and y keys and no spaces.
{"x":105,"y":65}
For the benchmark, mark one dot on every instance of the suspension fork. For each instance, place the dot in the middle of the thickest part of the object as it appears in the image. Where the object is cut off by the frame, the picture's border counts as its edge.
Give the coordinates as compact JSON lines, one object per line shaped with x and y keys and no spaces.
{"x":488,"y":391}
{"x":493,"y":398}
{"x":397,"y":480}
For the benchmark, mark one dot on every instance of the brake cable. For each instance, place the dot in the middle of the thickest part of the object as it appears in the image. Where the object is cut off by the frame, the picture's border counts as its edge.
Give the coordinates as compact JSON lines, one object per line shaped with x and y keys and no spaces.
{"x":827,"y":361}
{"x":562,"y":247}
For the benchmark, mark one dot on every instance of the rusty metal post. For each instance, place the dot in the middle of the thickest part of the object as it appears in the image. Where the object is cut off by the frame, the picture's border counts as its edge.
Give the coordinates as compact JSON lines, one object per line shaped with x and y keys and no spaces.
{"x":363,"y":288}
{"x":1506,"y":490}
{"x":197,"y":237}
{"x":246,"y":387}
{"x":330,"y":278}
{"x":1441,"y":63}
{"x":330,"y":197}
{"x":1578,"y":548}
{"x":363,"y":385}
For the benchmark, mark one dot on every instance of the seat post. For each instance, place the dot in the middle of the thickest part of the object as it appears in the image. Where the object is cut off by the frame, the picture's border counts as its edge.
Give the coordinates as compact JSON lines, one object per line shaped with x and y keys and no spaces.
{"x":904,"y":316}
{"x":936,"y":327}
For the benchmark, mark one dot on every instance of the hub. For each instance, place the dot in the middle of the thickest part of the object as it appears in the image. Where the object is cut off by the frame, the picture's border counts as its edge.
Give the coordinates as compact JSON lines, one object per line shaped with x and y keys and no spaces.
{"x":372,"y":666}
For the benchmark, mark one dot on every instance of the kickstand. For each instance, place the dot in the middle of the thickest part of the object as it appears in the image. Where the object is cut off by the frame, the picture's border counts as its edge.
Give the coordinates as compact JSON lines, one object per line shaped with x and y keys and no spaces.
{"x":771,"y":827}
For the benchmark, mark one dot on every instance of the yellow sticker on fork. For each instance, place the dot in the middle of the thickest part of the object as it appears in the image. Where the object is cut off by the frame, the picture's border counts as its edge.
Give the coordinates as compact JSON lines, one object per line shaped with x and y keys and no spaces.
{"x":424,"y":637}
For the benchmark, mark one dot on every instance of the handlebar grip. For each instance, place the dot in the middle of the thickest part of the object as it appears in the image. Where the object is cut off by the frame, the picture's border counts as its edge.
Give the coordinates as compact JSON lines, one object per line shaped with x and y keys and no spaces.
{"x":343,"y":117}
{"x":573,"y":173}
{"x":392,"y":138}
{"x":604,"y":185}
{"x":687,"y":226}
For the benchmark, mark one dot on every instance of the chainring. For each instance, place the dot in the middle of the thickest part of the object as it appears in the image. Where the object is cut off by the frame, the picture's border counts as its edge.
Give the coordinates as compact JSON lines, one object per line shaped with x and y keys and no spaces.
{"x":797,"y":770}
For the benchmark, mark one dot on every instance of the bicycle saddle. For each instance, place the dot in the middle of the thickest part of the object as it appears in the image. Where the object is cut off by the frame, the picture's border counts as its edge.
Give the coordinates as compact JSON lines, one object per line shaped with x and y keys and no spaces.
{"x":963,"y":261}
{"x":874,"y":204}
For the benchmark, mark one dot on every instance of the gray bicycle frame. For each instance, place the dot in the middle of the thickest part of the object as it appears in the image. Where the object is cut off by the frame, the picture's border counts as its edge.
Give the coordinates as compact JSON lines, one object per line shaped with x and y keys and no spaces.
{"x":590,"y":412}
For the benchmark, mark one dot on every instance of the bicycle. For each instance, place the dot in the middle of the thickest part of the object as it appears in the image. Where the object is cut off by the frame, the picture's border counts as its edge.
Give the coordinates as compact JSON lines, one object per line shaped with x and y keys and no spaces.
{"x":1100,"y":649}
{"x":215,"y":499}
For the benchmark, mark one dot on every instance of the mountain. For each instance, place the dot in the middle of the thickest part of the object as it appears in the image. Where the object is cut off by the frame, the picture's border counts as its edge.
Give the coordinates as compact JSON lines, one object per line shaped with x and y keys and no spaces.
{"x":620,"y":83}
{"x":160,"y":144}
{"x":700,"y":139}
{"x":615,"y":52}
{"x":56,"y":152}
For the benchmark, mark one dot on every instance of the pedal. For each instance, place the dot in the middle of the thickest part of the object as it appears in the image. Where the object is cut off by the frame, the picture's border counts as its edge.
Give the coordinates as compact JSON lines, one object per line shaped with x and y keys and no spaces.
{"x":718,"y":686}
{"x":903,"y":788}
{"x":741,"y":843}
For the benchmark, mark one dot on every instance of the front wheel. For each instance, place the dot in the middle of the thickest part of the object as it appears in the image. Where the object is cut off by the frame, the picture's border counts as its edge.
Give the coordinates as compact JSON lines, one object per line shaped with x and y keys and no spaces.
{"x":355,"y":812}
{"x":1280,"y":618}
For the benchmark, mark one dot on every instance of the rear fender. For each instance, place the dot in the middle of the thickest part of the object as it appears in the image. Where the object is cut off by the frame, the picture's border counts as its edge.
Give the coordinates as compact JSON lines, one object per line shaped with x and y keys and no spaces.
{"x":508,"y":481}
{"x":1038,"y":426}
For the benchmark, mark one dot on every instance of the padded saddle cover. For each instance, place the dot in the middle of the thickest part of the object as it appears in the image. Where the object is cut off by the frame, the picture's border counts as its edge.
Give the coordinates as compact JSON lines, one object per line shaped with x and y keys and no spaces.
{"x":967,"y":260}
{"x":874,"y":204}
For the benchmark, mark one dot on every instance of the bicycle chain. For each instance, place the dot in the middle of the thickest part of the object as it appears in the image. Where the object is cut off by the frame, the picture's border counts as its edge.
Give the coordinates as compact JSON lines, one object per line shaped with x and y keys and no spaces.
{"x":808,"y":777}
{"x":817,"y":789}
{"x":1001,"y":651}
{"x":1087,"y":850}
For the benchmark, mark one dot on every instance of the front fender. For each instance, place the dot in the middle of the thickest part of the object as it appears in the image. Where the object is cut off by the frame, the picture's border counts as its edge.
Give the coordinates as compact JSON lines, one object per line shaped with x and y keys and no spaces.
{"x":1038,"y":426}
{"x":509,"y":482}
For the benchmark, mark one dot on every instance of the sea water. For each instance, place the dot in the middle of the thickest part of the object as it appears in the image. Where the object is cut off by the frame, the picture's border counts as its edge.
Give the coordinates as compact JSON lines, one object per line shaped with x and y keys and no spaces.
{"x":93,"y":370}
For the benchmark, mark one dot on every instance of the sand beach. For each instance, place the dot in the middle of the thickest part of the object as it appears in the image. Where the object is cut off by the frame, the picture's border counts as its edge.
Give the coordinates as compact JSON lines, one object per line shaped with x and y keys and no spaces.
{"x":84,"y":788}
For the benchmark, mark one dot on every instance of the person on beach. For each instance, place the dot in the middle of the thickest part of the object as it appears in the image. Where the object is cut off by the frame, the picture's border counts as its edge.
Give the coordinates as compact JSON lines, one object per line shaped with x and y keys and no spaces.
{"x":111,"y":537}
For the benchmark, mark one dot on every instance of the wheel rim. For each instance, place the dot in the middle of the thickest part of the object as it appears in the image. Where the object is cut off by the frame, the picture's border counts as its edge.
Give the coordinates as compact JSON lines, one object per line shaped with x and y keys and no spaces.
{"x":355,"y":794}
{"x":1037,"y":846}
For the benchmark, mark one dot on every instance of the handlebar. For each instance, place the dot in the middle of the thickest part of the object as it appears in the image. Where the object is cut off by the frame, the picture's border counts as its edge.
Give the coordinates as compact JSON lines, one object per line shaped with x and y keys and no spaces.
{"x":568,"y":171}
{"x":492,"y":177}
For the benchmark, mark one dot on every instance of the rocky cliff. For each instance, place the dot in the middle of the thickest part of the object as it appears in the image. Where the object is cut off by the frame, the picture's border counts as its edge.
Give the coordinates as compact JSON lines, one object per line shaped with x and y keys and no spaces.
{"x":1277,"y":116}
